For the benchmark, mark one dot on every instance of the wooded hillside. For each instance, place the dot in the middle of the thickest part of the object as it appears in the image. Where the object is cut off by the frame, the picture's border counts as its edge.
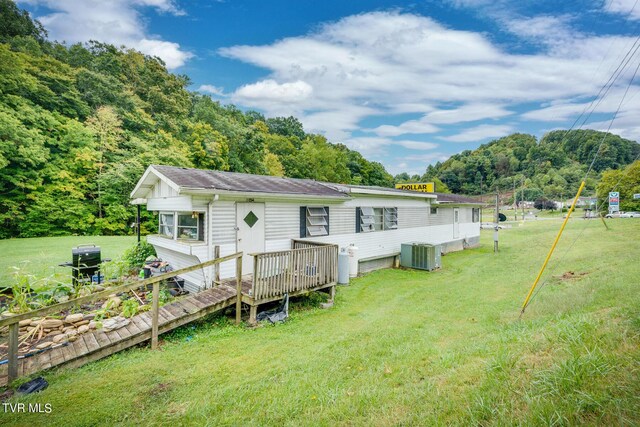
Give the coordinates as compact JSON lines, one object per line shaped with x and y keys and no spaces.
{"x":551,"y":168}
{"x":79,"y":125}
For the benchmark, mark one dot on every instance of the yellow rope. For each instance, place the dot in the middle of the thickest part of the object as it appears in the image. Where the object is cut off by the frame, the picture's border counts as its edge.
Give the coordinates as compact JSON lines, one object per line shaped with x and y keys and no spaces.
{"x":553,"y":247}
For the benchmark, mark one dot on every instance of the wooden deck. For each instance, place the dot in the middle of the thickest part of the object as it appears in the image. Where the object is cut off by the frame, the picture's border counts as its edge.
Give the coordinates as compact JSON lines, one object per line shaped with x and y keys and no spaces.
{"x":96,"y":344}
{"x":307,"y":267}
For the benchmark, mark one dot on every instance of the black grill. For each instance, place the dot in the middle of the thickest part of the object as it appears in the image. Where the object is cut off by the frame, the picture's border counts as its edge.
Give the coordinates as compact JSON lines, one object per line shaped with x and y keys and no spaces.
{"x":86,"y":260}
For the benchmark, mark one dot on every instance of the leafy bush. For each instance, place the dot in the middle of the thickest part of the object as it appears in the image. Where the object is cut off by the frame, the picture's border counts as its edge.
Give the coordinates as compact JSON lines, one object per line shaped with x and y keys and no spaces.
{"x":130,"y":307}
{"x":137,"y":254}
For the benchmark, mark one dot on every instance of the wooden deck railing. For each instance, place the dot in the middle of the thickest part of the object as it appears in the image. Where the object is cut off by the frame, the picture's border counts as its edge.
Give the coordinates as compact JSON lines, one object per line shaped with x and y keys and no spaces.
{"x":13,"y":321}
{"x":304,"y":244}
{"x":308,"y":265}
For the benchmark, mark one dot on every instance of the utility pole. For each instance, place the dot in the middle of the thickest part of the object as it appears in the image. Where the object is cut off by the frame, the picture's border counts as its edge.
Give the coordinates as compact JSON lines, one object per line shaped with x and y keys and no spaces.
{"x":515,"y":204}
{"x":522,"y":198}
{"x":481,"y":202}
{"x":495,"y":227}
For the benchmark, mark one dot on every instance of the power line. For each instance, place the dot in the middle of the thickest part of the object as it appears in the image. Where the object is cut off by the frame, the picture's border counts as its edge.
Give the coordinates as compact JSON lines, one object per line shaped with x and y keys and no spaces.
{"x":548,"y":258}
{"x":559,"y":261}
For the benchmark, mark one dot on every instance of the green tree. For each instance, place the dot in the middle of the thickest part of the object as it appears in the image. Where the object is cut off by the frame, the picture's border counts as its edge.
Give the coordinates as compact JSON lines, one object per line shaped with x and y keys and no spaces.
{"x":209,"y":148}
{"x":272,"y":164}
{"x":15,"y":23}
{"x":626,"y":182}
{"x":108,"y":131}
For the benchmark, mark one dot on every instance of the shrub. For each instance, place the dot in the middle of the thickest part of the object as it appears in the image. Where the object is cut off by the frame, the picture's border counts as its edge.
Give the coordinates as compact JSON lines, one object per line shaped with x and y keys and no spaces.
{"x":136,"y":255}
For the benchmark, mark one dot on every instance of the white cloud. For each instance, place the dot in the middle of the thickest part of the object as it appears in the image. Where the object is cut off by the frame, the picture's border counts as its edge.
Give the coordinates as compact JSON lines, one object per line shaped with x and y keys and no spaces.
{"x":214,"y":90}
{"x":115,"y":21}
{"x":480,"y":133}
{"x":373,"y":145}
{"x":385,"y":63}
{"x":550,"y":30}
{"x":169,"y":52}
{"x":628,"y":8}
{"x":167,"y":6}
{"x":465,"y":113}
{"x":416,"y":164}
{"x":411,"y":126}
{"x":271,"y":91}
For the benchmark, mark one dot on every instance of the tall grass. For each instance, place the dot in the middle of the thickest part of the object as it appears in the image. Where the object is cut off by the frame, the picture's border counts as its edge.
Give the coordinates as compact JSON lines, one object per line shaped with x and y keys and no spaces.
{"x":400,"y":347}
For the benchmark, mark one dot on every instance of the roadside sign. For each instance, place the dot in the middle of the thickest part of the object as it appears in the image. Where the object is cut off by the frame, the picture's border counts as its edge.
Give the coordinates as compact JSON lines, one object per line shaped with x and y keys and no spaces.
{"x":614,"y":201}
{"x":425,"y":187}
{"x":636,"y":196}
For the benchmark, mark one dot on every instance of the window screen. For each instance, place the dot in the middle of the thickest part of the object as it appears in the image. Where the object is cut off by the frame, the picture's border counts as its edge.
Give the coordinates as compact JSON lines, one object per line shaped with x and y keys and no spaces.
{"x":475,"y":215}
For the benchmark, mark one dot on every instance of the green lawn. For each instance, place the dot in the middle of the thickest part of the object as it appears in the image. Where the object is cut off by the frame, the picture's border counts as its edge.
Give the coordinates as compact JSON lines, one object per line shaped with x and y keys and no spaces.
{"x":41,"y":256}
{"x":400,"y":348}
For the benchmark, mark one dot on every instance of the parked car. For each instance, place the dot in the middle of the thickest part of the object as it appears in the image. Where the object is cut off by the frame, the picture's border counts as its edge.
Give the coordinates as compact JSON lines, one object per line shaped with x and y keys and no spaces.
{"x":630,"y":215}
{"x":614,"y":215}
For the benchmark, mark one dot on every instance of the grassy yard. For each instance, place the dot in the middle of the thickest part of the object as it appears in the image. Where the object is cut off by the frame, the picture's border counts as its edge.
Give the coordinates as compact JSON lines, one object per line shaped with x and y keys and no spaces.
{"x":400,"y":348}
{"x":41,"y":256}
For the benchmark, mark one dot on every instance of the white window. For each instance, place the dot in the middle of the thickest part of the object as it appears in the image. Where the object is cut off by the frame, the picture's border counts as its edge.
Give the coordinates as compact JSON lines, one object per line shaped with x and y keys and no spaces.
{"x":167,"y":224}
{"x":475,"y":215}
{"x":188,"y":226}
{"x":182,"y":225}
{"x":370,"y":219}
{"x":316,"y":221}
{"x":390,"y":218}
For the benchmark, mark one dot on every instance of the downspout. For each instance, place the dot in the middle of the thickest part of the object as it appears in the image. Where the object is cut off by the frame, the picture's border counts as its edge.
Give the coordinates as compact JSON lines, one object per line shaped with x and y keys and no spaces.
{"x":210,"y":251}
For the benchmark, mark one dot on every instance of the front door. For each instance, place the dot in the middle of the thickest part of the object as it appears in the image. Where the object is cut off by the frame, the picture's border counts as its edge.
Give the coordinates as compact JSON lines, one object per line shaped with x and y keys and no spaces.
{"x":250,"y":234}
{"x":456,"y":223}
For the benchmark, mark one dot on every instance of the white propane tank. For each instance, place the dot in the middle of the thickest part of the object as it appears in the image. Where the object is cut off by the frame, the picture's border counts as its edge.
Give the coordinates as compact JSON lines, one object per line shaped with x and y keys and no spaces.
{"x":353,"y":260}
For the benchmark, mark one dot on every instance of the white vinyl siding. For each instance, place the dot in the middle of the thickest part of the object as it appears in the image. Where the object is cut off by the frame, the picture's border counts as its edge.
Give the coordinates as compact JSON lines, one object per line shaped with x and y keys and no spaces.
{"x":412,"y":216}
{"x":162,"y":189}
{"x":223,"y":222}
{"x":444,"y":217}
{"x":282,"y":221}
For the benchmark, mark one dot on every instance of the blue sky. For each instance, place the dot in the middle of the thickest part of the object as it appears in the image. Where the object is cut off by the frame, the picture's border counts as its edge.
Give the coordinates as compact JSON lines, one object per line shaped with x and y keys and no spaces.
{"x":404,"y":83}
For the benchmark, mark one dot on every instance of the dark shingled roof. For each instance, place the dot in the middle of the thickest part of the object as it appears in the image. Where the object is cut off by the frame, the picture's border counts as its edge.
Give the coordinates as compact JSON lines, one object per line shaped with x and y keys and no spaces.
{"x":392,"y":190}
{"x":454,"y":198}
{"x":244,"y":182}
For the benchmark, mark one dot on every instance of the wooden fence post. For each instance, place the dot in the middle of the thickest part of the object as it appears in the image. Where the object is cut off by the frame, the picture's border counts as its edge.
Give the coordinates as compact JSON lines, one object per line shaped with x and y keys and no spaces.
{"x":154,"y":315}
{"x":13,"y":352}
{"x":239,"y":289}
{"x":216,"y":255}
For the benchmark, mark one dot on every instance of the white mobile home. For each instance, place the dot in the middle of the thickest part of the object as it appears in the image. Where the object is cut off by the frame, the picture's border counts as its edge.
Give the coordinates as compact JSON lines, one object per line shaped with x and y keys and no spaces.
{"x":199,"y":210}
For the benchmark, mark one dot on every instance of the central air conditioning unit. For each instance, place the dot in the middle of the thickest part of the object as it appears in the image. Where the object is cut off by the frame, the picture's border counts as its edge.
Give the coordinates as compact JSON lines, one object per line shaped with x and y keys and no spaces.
{"x":423,"y":256}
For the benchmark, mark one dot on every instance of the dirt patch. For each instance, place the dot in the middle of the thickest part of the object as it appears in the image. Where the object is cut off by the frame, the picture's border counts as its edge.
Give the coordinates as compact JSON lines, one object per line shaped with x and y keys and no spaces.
{"x":6,"y":395}
{"x":160,"y":389}
{"x":568,"y":275}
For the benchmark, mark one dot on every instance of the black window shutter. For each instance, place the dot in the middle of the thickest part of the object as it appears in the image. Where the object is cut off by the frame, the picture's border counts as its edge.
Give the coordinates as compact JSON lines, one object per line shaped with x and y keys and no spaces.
{"x":303,"y":221}
{"x":358,"y":220}
{"x":327,"y":209}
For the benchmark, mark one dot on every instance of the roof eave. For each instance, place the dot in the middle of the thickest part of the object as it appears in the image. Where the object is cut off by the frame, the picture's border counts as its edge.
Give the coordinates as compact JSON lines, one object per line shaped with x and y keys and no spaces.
{"x":141,"y":183}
